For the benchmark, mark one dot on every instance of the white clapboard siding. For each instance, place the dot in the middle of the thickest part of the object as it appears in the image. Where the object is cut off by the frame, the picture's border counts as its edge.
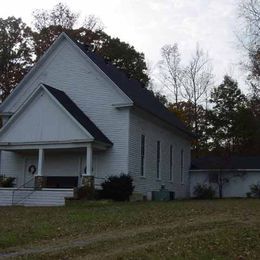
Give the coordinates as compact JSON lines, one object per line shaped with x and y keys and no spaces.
{"x":238,"y":185}
{"x":156,"y":130}
{"x":12,"y":165}
{"x":68,"y":70}
{"x":42,"y":120}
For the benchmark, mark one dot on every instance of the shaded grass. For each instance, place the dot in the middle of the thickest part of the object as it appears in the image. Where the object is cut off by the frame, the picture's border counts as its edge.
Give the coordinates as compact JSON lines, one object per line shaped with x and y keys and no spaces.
{"x":211,"y":241}
{"x":223,"y":243}
{"x":219,"y":229}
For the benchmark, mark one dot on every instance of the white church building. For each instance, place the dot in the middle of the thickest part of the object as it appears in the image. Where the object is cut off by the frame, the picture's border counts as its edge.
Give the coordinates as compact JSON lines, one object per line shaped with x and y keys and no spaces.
{"x":75,"y":116}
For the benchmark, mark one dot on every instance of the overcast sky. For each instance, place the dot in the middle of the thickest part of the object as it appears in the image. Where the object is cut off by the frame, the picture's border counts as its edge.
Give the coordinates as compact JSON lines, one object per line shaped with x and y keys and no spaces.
{"x":149,"y":24}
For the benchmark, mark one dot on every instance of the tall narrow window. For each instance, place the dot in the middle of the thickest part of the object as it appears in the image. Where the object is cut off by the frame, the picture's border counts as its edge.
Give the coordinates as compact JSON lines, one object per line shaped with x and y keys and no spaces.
{"x":158,"y":160}
{"x":182,"y":166}
{"x":171,"y":163}
{"x":142,"y":154}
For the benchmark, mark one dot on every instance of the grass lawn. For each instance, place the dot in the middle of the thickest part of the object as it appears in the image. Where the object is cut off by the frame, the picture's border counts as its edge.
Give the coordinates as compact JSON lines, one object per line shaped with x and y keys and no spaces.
{"x":218,"y":229}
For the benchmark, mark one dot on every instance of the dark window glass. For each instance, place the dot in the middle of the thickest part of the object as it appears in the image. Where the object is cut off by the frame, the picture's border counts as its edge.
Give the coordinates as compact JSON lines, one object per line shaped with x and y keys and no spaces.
{"x":171,"y":163}
{"x":142,"y":154}
{"x":158,"y":159}
{"x":182,"y":165}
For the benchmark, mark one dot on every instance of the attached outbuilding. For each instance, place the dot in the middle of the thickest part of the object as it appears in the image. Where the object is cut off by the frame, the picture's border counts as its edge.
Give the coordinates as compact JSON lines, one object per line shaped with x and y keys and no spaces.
{"x":233,"y":174}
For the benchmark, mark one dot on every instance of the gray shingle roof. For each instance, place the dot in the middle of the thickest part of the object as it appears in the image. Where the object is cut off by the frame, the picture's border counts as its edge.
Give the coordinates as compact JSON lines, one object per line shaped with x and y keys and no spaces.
{"x":141,"y":97}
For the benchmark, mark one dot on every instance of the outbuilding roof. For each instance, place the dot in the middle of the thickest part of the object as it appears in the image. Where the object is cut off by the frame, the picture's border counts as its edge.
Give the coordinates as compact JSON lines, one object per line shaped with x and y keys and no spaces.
{"x":229,"y":162}
{"x":78,"y":114}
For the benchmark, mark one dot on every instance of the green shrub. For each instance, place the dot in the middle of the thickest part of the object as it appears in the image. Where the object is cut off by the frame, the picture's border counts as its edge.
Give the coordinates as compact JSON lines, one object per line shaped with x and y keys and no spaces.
{"x":255,"y":190}
{"x":249,"y":195}
{"x":86,"y":193}
{"x":6,"y":182}
{"x":118,"y":188}
{"x":203,"y":192}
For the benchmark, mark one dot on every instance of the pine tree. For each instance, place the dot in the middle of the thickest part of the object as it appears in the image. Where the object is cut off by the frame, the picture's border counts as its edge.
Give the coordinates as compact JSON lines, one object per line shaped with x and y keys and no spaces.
{"x":227,"y":101}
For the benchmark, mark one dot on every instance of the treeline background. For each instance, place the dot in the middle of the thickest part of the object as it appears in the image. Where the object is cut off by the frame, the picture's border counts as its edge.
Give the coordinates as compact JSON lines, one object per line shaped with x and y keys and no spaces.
{"x":223,"y":118}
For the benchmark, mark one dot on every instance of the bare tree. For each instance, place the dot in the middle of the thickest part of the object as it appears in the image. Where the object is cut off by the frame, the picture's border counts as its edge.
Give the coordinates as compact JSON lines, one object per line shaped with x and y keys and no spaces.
{"x":249,"y":37}
{"x":249,"y":11}
{"x":170,"y":70}
{"x":93,"y":23}
{"x":59,"y":15}
{"x":197,"y":81}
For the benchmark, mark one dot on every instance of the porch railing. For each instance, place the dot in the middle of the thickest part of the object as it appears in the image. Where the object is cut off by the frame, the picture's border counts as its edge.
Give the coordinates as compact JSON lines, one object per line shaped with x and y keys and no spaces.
{"x":27,"y":195}
{"x":21,"y":187}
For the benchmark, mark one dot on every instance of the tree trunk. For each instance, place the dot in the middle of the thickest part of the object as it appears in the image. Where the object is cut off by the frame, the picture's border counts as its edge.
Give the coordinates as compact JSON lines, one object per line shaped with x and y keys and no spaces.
{"x":220,"y":186}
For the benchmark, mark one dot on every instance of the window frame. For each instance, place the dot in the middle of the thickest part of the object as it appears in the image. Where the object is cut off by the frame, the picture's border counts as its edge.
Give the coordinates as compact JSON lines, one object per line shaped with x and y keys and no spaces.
{"x":182,"y":166}
{"x":158,"y":160}
{"x":171,"y":164}
{"x":142,"y":156}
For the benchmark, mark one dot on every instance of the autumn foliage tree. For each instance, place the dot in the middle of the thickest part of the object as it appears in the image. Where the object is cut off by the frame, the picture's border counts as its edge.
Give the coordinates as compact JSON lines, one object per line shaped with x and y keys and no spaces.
{"x":185,"y":111}
{"x":249,"y":13}
{"x":21,"y":46}
{"x":50,"y":23}
{"x":15,"y":53}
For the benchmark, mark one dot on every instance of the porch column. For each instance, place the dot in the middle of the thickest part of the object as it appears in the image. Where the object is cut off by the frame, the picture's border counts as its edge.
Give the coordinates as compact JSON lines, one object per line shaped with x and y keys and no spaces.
{"x":39,"y":178}
{"x":89,"y":160}
{"x":40,"y":162}
{"x":88,"y":178}
{"x":0,"y":162}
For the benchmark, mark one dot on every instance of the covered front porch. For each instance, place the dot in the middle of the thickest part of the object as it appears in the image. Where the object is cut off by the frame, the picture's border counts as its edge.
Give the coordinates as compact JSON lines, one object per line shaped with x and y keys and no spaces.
{"x":49,"y":142}
{"x":54,"y":165}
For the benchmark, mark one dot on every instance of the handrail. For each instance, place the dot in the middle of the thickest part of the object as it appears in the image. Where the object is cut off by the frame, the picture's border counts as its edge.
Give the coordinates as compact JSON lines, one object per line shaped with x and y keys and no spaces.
{"x":19,"y":188}
{"x":27,"y":196}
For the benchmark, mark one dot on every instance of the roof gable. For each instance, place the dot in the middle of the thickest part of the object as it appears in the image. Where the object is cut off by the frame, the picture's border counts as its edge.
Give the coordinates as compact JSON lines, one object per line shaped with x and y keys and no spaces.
{"x":61,"y":61}
{"x":78,"y":114}
{"x":50,"y":115}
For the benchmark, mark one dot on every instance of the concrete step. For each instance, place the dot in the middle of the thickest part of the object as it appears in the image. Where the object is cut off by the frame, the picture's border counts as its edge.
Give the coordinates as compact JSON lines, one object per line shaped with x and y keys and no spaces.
{"x":30,"y":197}
{"x":48,"y":198}
{"x":6,"y":196}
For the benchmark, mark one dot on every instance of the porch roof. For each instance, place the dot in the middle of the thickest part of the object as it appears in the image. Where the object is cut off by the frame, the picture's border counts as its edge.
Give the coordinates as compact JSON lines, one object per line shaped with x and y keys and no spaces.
{"x":50,"y":119}
{"x":78,"y":114}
